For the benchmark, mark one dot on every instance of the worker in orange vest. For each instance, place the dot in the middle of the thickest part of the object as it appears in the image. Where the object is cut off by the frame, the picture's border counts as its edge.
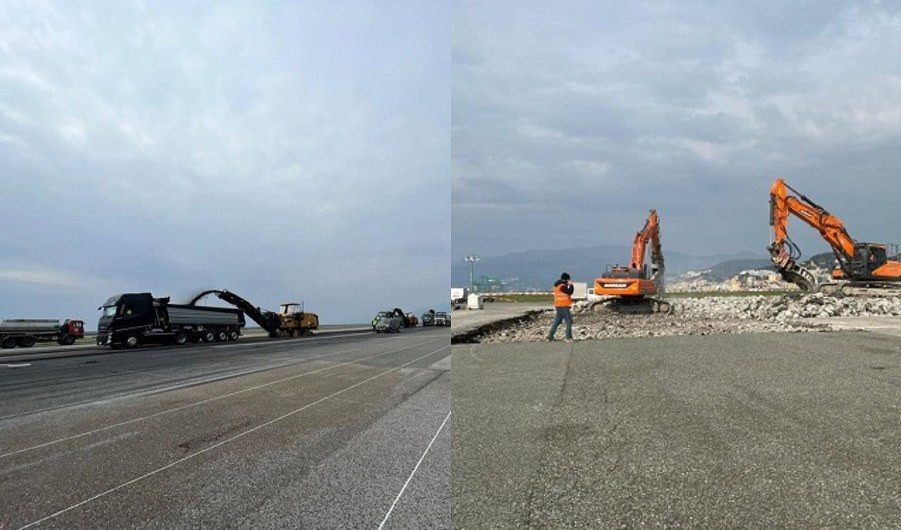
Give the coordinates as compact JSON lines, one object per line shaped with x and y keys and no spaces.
{"x":563,"y":291}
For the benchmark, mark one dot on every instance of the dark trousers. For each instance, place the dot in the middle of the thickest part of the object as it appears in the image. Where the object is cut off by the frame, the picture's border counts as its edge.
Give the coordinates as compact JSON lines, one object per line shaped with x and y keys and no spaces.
{"x":563,"y":315}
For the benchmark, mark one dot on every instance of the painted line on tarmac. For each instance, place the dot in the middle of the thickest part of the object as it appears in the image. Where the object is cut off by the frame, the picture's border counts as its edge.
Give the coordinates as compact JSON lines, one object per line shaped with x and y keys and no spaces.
{"x":209,"y":400}
{"x":415,"y":468}
{"x":297,"y":339}
{"x":223,"y":442}
{"x":177,"y":386}
{"x":17,"y":365}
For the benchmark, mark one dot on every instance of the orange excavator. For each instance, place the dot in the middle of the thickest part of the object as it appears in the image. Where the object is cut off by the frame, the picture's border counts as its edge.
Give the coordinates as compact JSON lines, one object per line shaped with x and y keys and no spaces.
{"x":862,"y":268}
{"x":633,"y":288}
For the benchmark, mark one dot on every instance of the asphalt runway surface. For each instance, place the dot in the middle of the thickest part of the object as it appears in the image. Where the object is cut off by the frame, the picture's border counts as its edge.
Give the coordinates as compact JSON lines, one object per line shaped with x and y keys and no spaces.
{"x":333,"y":432}
{"x":727,"y":431}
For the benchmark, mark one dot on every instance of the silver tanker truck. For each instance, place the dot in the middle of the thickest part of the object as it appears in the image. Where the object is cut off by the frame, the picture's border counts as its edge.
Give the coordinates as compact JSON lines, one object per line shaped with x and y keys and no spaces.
{"x":26,"y":332}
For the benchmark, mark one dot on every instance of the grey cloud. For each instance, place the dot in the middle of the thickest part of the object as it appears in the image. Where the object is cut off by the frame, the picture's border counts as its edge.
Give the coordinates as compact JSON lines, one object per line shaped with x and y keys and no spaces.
{"x":273,"y":149}
{"x":686,"y":107}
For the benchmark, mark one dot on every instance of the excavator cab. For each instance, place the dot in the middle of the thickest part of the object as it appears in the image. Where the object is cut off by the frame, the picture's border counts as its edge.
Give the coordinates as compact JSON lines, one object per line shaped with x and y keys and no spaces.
{"x":867,"y":258}
{"x":621,"y":271}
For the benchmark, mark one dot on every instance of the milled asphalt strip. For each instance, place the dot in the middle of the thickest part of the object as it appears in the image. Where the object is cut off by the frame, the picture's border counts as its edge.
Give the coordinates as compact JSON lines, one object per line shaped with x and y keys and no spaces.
{"x":193,"y":382}
{"x":421,"y":458}
{"x":70,"y":351}
{"x":223,"y":442}
{"x":208,"y":400}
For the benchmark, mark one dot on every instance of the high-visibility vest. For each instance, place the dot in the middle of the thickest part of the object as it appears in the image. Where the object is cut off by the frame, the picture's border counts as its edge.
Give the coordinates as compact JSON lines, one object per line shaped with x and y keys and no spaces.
{"x":562,"y":299}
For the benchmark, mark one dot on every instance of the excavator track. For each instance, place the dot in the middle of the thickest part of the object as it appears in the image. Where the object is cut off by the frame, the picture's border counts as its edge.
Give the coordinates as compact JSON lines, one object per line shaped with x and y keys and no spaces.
{"x":632,"y":306}
{"x":858,"y":288}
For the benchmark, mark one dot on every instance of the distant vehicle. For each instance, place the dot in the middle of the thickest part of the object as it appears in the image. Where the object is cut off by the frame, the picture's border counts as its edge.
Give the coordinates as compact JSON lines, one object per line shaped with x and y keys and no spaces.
{"x":388,"y":324}
{"x":25,"y":332}
{"x":442,"y":319}
{"x":428,"y":318}
{"x":131,"y":319}
{"x":411,"y":318}
{"x":380,"y":314}
{"x":459,"y":293}
{"x":580,"y":291}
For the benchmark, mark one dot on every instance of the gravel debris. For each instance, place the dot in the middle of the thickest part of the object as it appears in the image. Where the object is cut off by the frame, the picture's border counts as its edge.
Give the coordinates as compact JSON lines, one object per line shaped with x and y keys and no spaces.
{"x":699,"y":316}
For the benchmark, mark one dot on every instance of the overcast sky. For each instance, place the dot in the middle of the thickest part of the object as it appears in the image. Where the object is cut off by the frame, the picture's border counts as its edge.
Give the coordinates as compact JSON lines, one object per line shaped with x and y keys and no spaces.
{"x":569,"y":124}
{"x":286,"y":151}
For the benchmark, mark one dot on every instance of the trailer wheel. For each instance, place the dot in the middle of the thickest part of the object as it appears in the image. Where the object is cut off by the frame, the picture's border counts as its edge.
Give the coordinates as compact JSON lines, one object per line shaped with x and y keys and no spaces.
{"x":221,"y":336}
{"x":8,"y":342}
{"x":233,"y":335}
{"x":131,"y":341}
{"x":181,"y":338}
{"x":26,"y":342}
{"x":207,"y":335}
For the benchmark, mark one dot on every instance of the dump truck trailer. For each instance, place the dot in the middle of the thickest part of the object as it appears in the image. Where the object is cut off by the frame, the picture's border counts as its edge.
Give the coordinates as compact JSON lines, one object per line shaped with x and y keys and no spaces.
{"x":26,"y":332}
{"x":132,"y":319}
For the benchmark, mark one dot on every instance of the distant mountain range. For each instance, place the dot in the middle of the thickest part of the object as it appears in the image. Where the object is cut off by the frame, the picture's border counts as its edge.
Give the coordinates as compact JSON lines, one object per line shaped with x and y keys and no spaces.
{"x":538,"y":269}
{"x":728,"y":269}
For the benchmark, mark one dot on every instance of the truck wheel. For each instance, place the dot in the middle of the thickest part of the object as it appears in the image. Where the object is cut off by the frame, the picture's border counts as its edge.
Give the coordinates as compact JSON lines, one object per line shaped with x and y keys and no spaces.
{"x":26,"y":342}
{"x":208,"y":336}
{"x":233,"y":335}
{"x":131,"y":341}
{"x":67,"y":340}
{"x":221,"y":336}
{"x":181,"y":338}
{"x":8,"y":342}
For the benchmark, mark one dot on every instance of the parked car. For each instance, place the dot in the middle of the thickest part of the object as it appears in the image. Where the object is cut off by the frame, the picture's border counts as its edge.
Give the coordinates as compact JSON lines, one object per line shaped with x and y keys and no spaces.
{"x":389,"y":324}
{"x":442,"y":319}
{"x":428,"y":318}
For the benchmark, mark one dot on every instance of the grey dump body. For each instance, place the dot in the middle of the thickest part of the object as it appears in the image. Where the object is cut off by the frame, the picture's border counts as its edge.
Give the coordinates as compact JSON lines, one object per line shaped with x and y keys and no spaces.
{"x":203,"y":316}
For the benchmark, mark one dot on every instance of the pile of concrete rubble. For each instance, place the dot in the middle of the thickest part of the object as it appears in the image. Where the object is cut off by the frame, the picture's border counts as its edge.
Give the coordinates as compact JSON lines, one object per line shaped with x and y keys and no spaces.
{"x":702,"y":316}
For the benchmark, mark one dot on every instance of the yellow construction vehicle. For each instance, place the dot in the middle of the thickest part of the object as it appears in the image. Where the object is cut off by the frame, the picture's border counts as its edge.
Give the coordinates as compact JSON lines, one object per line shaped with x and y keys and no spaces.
{"x":294,"y":322}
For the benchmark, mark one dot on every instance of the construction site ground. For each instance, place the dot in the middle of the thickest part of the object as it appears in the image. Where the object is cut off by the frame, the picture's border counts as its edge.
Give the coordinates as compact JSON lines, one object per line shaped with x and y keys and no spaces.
{"x":751,"y":430}
{"x":709,"y":315}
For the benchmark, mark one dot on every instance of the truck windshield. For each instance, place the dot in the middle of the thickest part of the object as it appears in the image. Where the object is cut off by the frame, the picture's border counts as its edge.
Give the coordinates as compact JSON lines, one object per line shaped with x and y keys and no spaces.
{"x":109,"y":311}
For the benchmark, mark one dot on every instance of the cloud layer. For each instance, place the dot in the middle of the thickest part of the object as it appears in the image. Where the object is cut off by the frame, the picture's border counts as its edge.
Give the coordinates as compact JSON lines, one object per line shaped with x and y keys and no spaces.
{"x":569,"y":124}
{"x":280,"y":150}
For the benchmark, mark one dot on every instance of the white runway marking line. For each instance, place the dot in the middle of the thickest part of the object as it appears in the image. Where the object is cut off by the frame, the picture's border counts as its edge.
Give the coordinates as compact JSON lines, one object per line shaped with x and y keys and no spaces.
{"x":182,"y":385}
{"x":208,"y":400}
{"x":223,"y":442}
{"x":298,"y":339}
{"x":421,"y":458}
{"x":19,"y":365}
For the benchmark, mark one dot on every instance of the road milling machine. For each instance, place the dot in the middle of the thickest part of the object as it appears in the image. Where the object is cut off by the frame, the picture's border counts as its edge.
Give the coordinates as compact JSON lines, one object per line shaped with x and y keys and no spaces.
{"x":635,"y":288}
{"x":861,"y":268}
{"x":289,"y":322}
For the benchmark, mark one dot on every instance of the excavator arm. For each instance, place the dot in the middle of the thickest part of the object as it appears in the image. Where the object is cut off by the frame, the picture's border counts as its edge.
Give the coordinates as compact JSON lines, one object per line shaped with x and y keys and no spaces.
{"x":649,"y":234}
{"x":784,"y":253}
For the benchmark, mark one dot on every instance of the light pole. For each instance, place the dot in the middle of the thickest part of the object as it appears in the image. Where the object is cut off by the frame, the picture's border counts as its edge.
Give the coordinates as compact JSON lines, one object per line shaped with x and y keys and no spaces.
{"x":472,"y":265}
